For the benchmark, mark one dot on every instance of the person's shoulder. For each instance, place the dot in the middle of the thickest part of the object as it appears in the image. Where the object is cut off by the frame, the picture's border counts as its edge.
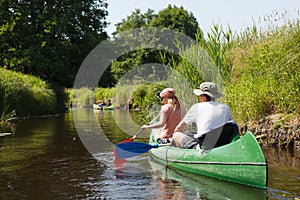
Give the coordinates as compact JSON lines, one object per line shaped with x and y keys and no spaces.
{"x":221,"y":104}
{"x":197,"y":105}
{"x":165,"y":107}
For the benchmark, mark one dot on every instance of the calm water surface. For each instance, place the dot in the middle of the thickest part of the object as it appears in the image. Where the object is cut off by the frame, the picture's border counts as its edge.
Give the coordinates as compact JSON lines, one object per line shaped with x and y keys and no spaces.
{"x":45,"y":159}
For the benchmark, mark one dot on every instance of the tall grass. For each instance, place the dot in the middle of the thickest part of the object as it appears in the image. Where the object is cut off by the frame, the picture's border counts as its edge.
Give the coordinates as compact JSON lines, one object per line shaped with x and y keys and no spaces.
{"x":258,"y":69}
{"x":83,"y":97}
{"x":86,"y":97}
{"x":24,"y":95}
{"x":203,"y":61}
{"x":266,"y":72}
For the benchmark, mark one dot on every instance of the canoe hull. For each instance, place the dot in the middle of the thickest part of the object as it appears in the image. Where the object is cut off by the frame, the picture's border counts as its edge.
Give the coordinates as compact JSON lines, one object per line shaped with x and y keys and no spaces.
{"x":109,"y":108}
{"x":241,"y":161}
{"x":98,"y":107}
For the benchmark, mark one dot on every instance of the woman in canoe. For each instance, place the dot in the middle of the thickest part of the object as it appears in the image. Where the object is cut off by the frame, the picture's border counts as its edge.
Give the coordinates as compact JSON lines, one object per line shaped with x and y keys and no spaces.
{"x":210,"y":117}
{"x":171,"y":114}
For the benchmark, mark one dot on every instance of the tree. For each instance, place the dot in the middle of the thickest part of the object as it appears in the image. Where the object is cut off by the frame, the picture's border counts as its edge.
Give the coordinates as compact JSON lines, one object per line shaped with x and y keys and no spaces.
{"x":135,"y":20}
{"x":50,"y":38}
{"x":174,"y":18}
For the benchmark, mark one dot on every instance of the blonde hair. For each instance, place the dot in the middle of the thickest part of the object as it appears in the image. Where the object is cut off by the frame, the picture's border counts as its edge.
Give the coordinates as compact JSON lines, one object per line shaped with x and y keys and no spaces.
{"x":173,"y":102}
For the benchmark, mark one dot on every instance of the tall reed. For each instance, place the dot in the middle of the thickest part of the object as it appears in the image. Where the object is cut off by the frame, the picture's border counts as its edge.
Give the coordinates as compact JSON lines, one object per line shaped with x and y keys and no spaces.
{"x":266,"y":71}
{"x":24,"y":95}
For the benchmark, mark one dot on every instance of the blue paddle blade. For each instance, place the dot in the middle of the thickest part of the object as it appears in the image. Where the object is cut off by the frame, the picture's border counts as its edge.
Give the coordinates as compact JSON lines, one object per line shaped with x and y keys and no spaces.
{"x":131,"y":149}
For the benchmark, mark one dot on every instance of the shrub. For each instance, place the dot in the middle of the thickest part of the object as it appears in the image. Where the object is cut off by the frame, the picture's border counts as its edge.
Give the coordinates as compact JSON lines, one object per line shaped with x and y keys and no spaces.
{"x":25,"y":95}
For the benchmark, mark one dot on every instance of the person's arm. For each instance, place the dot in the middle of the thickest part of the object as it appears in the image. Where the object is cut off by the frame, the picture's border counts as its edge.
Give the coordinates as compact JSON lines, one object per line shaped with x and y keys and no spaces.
{"x":188,"y":118}
{"x":161,"y":123}
{"x":182,"y":111}
{"x":229,"y":114}
{"x":180,"y":127}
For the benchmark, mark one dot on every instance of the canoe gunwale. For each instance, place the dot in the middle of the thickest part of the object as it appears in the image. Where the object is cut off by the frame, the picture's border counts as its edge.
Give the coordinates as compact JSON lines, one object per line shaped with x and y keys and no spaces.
{"x":215,"y":163}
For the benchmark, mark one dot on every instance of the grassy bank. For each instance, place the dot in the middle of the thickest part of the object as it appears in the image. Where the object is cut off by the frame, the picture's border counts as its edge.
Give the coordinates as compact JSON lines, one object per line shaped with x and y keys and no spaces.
{"x":24,"y":95}
{"x":265,"y":76}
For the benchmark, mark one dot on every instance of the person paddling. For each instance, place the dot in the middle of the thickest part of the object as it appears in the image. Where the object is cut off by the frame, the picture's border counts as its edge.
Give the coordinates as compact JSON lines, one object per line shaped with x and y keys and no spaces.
{"x":171,"y":114}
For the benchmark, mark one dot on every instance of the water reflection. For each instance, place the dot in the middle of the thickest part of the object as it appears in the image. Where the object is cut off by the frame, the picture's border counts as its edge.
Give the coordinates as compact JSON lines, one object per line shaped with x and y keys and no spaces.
{"x":284,"y":173}
{"x":119,"y":125}
{"x":201,"y":187}
{"x":45,"y":159}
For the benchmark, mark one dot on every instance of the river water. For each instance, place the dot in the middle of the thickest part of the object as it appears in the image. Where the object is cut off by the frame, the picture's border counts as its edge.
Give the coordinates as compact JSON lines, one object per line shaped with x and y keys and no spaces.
{"x":46,"y":158}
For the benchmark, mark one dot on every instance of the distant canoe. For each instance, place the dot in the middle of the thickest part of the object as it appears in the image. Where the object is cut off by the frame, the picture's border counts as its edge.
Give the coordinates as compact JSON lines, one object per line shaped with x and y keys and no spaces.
{"x":112,"y":107}
{"x":4,"y":134}
{"x":98,"y":107}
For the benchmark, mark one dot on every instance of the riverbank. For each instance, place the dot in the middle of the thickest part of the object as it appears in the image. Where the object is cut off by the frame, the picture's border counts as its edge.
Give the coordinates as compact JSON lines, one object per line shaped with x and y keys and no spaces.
{"x":276,"y":130}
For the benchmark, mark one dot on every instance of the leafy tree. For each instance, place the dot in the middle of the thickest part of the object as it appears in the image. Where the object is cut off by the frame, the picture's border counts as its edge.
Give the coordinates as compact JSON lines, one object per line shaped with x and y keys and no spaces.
{"x":135,"y":20}
{"x":50,"y":38}
{"x":174,"y":18}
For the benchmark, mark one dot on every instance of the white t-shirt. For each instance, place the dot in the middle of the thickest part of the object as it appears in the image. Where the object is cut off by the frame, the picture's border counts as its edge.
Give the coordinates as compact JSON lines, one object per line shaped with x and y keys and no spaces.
{"x":207,"y":116}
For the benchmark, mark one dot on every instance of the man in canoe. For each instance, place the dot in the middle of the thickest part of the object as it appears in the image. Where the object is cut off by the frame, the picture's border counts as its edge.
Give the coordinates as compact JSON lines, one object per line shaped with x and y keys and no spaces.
{"x":108,"y":103}
{"x":208,"y":115}
{"x":171,"y":114}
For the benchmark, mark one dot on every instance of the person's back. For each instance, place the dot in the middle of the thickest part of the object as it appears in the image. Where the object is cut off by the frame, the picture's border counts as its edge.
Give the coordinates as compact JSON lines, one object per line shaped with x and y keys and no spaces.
{"x":170,"y":114}
{"x":208,"y":115}
{"x":108,"y":103}
{"x":173,"y":117}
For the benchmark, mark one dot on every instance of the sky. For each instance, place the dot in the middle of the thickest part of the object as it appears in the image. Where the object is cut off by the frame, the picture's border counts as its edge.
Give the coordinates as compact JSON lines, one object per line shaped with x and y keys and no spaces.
{"x":237,"y":14}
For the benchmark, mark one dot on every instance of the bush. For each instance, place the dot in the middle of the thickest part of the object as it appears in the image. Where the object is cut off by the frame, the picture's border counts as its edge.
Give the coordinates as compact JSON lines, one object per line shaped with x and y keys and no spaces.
{"x":25,"y":95}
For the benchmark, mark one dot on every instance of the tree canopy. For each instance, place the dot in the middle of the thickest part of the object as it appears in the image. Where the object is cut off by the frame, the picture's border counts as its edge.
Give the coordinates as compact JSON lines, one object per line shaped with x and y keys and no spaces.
{"x":176,"y":19}
{"x":172,"y":17}
{"x":50,"y":38}
{"x":135,"y":20}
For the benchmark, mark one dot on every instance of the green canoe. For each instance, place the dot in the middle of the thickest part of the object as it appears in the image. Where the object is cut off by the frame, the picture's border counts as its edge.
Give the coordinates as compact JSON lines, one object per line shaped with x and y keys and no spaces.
{"x":241,"y":161}
{"x":112,"y":107}
{"x":98,"y":107}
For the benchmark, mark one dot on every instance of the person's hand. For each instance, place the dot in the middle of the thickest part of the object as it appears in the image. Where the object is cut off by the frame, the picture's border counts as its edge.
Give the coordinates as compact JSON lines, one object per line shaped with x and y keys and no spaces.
{"x":145,"y":127}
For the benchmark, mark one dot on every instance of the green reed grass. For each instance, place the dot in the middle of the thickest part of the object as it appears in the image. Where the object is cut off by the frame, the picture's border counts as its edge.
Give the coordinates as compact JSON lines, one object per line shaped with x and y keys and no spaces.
{"x":83,"y":97}
{"x":266,"y":72}
{"x":105,"y":93}
{"x":24,"y":95}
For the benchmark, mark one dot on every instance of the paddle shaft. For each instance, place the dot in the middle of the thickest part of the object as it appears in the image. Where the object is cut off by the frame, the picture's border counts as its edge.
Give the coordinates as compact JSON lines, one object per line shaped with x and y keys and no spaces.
{"x":140,"y":131}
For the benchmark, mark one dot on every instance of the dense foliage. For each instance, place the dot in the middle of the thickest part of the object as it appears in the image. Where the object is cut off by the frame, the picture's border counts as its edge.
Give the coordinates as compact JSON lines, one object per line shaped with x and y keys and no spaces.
{"x":24,"y":95}
{"x":260,"y":71}
{"x":174,"y":18}
{"x":50,"y":38}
